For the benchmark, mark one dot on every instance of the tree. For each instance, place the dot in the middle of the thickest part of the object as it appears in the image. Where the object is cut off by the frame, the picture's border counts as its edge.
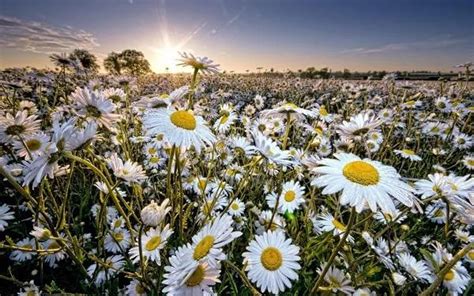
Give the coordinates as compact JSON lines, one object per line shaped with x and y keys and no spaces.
{"x":112,"y":63}
{"x":134,"y":62}
{"x":87,"y":60}
{"x":130,"y":61}
{"x":346,"y":74}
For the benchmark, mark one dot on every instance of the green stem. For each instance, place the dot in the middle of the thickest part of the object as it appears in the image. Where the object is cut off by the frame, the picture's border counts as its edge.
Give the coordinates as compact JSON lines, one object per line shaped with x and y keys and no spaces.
{"x":334,"y":252}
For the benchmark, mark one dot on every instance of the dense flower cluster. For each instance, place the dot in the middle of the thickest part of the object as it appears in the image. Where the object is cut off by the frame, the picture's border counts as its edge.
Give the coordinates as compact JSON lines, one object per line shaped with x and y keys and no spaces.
{"x":234,"y":184}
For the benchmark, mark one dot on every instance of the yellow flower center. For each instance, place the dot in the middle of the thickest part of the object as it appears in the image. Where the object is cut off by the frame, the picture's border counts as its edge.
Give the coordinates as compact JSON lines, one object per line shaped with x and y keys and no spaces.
{"x":152,"y":150}
{"x":361,"y":172}
{"x":438,"y":213}
{"x":323,"y":111}
{"x":30,"y":293}
{"x":154,"y":159}
{"x":224,"y":119}
{"x":449,"y":276}
{"x":235,"y":206}
{"x":471,"y":254}
{"x":271,"y":258}
{"x":338,"y":225}
{"x":291,"y":106}
{"x":33,"y":144}
{"x":202,"y":184}
{"x":183,"y":119}
{"x":203,"y":247}
{"x":153,"y":243}
{"x":118,"y":236}
{"x":197,"y":277}
{"x":117,"y":223}
{"x":408,"y":151}
{"x":290,"y":196}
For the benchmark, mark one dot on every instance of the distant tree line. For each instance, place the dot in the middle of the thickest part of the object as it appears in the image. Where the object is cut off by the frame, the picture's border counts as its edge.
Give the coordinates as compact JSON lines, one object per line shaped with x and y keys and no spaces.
{"x":129,"y":61}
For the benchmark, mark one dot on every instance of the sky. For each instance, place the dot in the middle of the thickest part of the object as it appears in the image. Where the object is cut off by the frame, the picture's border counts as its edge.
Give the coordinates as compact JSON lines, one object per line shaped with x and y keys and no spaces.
{"x":240,"y":35}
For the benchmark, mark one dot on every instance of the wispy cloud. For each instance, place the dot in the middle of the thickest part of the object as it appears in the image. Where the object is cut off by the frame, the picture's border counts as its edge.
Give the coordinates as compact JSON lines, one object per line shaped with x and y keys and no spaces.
{"x":42,"y":38}
{"x":433,"y":43}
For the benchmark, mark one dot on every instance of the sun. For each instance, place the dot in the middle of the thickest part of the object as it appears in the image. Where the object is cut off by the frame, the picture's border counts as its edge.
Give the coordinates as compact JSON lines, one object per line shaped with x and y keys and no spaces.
{"x":165,"y":60}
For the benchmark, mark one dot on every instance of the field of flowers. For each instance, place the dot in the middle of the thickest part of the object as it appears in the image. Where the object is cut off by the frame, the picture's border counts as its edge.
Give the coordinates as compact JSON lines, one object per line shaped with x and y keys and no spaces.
{"x":228,"y":184}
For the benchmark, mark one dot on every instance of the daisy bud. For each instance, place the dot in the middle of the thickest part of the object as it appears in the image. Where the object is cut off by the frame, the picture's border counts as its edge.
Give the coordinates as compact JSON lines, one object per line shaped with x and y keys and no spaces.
{"x":405,"y":227}
{"x":153,"y":214}
{"x":398,"y":279}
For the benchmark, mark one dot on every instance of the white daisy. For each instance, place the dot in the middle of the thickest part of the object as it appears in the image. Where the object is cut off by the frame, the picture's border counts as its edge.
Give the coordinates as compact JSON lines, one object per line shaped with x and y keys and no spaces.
{"x":290,"y":199}
{"x":208,"y":242}
{"x":338,"y":281}
{"x":272,"y":261}
{"x":130,"y":172}
{"x":94,"y":106}
{"x":5,"y":215}
{"x":117,"y":241}
{"x":407,"y":153}
{"x":362,"y":182}
{"x":417,"y":269}
{"x":180,"y":127}
{"x":203,"y":64}
{"x":152,"y":242}
{"x":20,"y":125}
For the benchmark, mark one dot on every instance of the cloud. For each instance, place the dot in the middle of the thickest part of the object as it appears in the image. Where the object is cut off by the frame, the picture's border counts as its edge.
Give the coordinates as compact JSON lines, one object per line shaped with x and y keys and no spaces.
{"x":433,"y":43}
{"x":42,"y":38}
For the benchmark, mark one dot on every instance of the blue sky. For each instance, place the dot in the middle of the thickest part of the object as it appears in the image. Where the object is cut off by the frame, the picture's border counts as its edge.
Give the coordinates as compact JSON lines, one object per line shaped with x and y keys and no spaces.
{"x":240,"y":35}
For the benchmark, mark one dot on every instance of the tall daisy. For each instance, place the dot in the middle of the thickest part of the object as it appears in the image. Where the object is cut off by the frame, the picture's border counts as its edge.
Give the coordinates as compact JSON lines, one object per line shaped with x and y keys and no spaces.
{"x":208,"y":242}
{"x":362,"y":182}
{"x":272,"y":262}
{"x":290,"y":199}
{"x":19,"y":125}
{"x":179,"y":127}
{"x":152,"y":242}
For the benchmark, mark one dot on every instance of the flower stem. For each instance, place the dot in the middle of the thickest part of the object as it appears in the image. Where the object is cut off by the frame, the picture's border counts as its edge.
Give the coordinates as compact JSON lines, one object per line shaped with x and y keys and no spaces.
{"x":334,"y":252}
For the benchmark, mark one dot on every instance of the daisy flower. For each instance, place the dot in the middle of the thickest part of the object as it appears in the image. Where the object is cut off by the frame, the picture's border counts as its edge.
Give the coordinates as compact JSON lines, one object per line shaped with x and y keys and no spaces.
{"x":203,"y":64}
{"x":272,"y":261}
{"x":208,"y":242}
{"x":30,"y":290}
{"x":289,"y":109}
{"x":152,"y":242}
{"x":362,"y":182}
{"x":263,"y":223}
{"x":32,"y":144}
{"x":417,"y":269}
{"x":180,"y":127}
{"x":130,"y":172}
{"x":270,"y":150}
{"x":224,"y":122}
{"x":408,"y":154}
{"x":20,"y":255}
{"x":237,"y":208}
{"x":290,"y":199}
{"x":135,"y":288}
{"x":468,"y":162}
{"x":93,"y":106}
{"x":359,"y":125}
{"x":117,"y":240}
{"x":106,"y":271}
{"x":338,"y":281}
{"x":196,"y":280}
{"x":5,"y":215}
{"x":327,"y":223}
{"x":20,"y":125}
